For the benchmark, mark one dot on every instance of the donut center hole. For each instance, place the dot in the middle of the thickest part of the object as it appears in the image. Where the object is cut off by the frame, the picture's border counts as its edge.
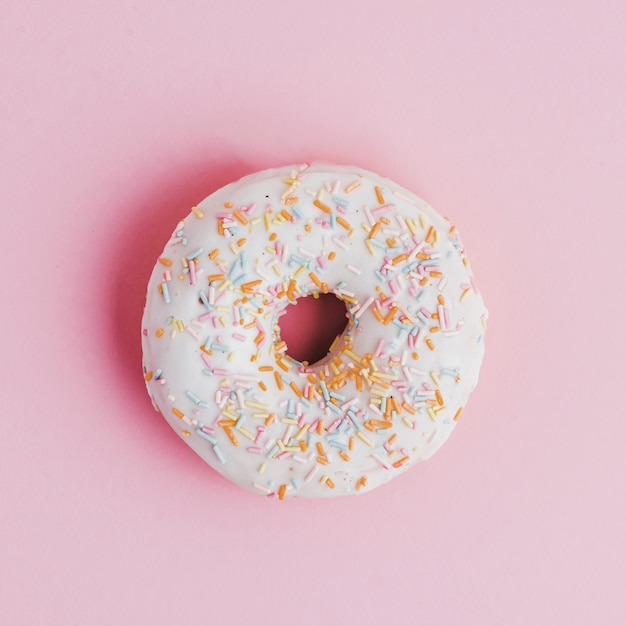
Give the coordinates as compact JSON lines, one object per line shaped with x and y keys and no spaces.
{"x":310,"y":326}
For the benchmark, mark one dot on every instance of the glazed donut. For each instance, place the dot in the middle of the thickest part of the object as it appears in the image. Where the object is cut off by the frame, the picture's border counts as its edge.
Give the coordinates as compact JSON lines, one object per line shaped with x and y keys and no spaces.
{"x":391,"y":388}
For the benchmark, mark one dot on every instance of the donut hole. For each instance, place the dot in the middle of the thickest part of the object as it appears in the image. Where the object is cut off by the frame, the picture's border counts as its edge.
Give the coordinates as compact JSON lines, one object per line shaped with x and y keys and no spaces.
{"x":310,"y":326}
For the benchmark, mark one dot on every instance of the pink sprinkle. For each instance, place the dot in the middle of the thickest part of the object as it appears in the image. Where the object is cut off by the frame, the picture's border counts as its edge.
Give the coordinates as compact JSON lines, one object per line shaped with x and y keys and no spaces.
{"x":379,"y":348}
{"x":383,"y":209}
{"x":220,"y":372}
{"x":192,"y":272}
{"x":284,"y":455}
{"x":239,"y":337}
{"x":255,"y":450}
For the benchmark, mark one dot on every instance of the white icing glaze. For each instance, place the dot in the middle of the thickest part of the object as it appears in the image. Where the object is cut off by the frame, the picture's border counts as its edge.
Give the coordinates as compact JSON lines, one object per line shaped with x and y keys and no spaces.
{"x":389,"y":393}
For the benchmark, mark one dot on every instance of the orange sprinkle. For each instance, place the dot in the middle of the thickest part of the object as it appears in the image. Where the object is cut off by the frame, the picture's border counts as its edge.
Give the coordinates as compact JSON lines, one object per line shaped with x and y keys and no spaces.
{"x":379,"y":195}
{"x":441,"y":299}
{"x":295,"y":388}
{"x":320,"y":448}
{"x":259,"y":338}
{"x":291,"y":200}
{"x":240,"y":217}
{"x":323,"y":207}
{"x":439,"y":397}
{"x":315,"y":279}
{"x":159,"y":332}
{"x":213,"y":277}
{"x":344,"y":456}
{"x":307,"y":227}
{"x":374,"y":230}
{"x":220,"y":228}
{"x":320,"y":426}
{"x":279,"y":381}
{"x":401,"y":461}
{"x":331,"y":255}
{"x":329,"y":482}
{"x":214,"y":253}
{"x":390,"y":316}
{"x":322,"y":460}
{"x":164,"y":261}
{"x":283,"y":366}
{"x":434,"y":329}
{"x":281,"y":491}
{"x":458,"y":414}
{"x":262,"y":385}
{"x":269,"y":419}
{"x":343,"y":222}
{"x":407,"y":407}
{"x":228,"y":205}
{"x":429,"y":342}
{"x":178,"y":412}
{"x":148,"y":376}
{"x":284,"y":213}
{"x":430,"y":234}
{"x":351,"y":443}
{"x":242,"y":242}
{"x":352,"y":186}
{"x":400,"y":258}
{"x":249,"y":286}
{"x":361,"y":482}
{"x":231,"y":435}
{"x":265,"y":368}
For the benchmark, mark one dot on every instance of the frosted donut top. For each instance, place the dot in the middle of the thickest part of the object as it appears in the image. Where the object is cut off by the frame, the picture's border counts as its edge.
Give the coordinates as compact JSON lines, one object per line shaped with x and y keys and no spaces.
{"x":393,"y":385}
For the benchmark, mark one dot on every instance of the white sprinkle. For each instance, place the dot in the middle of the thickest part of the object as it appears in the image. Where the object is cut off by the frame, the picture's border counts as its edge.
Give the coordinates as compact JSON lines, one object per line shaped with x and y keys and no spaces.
{"x":354,"y":270}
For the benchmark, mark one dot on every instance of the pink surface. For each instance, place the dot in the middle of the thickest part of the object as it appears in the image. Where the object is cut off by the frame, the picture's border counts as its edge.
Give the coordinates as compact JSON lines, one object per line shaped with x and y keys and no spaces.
{"x":116,"y":117}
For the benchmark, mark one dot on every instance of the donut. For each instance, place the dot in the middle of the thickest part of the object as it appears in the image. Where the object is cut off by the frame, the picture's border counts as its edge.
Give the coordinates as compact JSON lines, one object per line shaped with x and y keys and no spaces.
{"x":392,"y":385}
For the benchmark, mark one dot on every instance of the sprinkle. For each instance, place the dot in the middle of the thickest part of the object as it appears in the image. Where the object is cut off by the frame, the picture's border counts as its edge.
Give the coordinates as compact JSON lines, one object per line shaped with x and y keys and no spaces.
{"x":352,"y":186}
{"x":379,"y":195}
{"x":323,"y":207}
{"x":165,"y":262}
{"x":166,"y":293}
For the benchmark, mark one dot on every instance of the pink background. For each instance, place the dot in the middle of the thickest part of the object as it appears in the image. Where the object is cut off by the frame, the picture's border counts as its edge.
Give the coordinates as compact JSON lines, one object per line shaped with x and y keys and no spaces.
{"x":116,"y":117}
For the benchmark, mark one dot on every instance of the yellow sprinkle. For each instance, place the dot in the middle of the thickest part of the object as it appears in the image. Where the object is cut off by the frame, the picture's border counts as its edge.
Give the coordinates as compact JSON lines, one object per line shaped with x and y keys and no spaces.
{"x":352,"y":186}
{"x":197,"y":212}
{"x":363,"y":437}
{"x":262,"y":467}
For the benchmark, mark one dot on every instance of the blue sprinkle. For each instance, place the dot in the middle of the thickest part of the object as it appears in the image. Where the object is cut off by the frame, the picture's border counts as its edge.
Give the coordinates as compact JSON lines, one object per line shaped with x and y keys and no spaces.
{"x":206,"y":436}
{"x":272,"y":452}
{"x":207,"y":344}
{"x":193,"y":396}
{"x":340,"y":201}
{"x":337,"y":396}
{"x":166,"y":293}
{"x":185,"y":241}
{"x":218,"y":454}
{"x":220,"y":347}
{"x":195,"y":255}
{"x":157,"y":374}
{"x":296,"y":211}
{"x":294,"y":482}
{"x":204,"y":300}
{"x":337,"y":444}
{"x":207,"y":372}
{"x":333,"y":407}
{"x":324,"y":390}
